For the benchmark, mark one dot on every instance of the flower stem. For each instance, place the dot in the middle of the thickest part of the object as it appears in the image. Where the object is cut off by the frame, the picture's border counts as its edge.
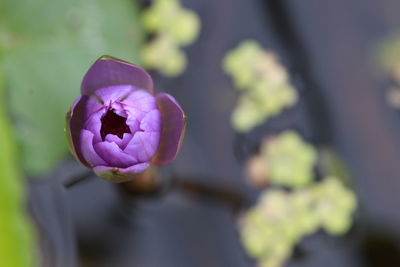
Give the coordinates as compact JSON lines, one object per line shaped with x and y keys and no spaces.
{"x":72,"y":181}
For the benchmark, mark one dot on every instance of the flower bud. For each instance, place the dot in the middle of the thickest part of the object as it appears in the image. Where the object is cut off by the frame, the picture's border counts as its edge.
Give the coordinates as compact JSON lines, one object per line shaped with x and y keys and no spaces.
{"x":119,"y":126}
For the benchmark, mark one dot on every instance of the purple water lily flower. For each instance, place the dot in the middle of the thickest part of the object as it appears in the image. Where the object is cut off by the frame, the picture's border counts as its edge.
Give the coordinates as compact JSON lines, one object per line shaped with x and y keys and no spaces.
{"x":118,"y":126}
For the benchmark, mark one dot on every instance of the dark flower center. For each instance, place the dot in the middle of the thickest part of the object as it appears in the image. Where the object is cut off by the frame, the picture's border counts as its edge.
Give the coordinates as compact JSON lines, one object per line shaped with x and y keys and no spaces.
{"x":112,"y":123}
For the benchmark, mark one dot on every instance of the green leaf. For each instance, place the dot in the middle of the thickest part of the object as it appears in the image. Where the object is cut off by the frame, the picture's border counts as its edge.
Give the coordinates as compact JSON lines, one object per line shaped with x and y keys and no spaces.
{"x":49,"y":45}
{"x":17,"y":240}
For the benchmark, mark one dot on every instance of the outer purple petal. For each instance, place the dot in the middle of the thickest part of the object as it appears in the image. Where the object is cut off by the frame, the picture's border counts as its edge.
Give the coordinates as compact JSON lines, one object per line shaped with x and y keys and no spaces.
{"x":107,"y":71}
{"x":82,"y":107}
{"x":173,"y":127}
{"x":87,"y":149}
{"x":118,"y":175}
{"x":113,"y":155}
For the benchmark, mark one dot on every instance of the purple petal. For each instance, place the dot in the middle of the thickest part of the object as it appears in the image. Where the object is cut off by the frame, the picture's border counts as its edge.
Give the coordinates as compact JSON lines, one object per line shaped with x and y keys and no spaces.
{"x":93,"y":124}
{"x":138,"y":98}
{"x":113,"y":155}
{"x":119,"y":109}
{"x":133,"y":124}
{"x":151,"y":122}
{"x":81,"y":109}
{"x":114,"y":93}
{"x":120,"y":142}
{"x":87,"y":149}
{"x":143,"y":145}
{"x":118,"y":175}
{"x":173,"y":126}
{"x":107,"y":71}
{"x":139,"y":103}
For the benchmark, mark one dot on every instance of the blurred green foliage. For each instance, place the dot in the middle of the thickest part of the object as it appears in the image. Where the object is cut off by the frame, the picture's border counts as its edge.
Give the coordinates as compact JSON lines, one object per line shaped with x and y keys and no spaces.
{"x":330,"y":162}
{"x":263,"y":82}
{"x":290,"y":160}
{"x":46,"y":46}
{"x":388,"y":52}
{"x":164,"y":55}
{"x":281,"y":218}
{"x":173,"y":27}
{"x":333,"y":206}
{"x":17,"y":246}
{"x":388,"y":57}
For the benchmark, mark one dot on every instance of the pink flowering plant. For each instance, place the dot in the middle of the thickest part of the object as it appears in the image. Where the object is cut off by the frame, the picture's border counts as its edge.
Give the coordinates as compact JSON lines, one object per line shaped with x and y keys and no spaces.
{"x":119,"y":126}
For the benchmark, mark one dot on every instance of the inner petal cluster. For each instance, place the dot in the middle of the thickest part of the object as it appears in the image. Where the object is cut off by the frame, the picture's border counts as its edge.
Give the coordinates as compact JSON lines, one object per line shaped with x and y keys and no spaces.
{"x":112,"y":123}
{"x":125,"y":130}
